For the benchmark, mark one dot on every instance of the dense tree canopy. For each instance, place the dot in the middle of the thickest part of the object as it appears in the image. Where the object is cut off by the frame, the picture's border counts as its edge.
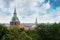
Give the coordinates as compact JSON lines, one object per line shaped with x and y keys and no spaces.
{"x":42,"y":32}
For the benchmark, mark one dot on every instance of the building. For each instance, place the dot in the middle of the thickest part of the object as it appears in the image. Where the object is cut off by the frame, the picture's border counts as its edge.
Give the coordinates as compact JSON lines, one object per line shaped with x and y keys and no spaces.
{"x":31,"y":27}
{"x":15,"y":21}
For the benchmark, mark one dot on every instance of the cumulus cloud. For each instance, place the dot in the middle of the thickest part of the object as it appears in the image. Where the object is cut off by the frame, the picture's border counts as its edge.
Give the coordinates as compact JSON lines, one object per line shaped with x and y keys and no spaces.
{"x":28,"y":11}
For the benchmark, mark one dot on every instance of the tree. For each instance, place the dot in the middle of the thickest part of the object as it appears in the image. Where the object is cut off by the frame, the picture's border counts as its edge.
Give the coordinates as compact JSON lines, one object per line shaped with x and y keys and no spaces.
{"x":16,"y":33}
{"x":3,"y":31}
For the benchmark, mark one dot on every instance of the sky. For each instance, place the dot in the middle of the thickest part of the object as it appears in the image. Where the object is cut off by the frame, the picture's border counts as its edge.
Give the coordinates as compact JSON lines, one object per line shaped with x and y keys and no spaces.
{"x":46,"y":11}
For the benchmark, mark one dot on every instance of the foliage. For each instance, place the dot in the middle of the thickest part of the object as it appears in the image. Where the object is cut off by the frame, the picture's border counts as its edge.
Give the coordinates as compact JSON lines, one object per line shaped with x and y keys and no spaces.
{"x":3,"y":31}
{"x":42,"y":32}
{"x":49,"y":31}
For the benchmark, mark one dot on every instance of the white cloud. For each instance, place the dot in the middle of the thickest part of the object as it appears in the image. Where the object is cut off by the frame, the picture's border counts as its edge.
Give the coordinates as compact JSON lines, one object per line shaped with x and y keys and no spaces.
{"x":23,"y":8}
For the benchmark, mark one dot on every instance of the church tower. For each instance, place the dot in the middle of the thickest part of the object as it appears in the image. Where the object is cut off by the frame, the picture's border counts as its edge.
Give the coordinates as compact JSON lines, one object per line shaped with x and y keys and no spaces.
{"x":15,"y":21}
{"x":36,"y":22}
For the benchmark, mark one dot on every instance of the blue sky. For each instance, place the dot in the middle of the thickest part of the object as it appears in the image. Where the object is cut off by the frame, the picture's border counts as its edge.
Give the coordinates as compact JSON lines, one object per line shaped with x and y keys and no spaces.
{"x":28,"y":10}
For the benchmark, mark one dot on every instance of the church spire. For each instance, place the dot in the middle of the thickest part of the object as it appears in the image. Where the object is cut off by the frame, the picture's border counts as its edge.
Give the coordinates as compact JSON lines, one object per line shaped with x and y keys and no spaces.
{"x":36,"y":22}
{"x":15,"y":14}
{"x":15,"y":18}
{"x":15,"y":10}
